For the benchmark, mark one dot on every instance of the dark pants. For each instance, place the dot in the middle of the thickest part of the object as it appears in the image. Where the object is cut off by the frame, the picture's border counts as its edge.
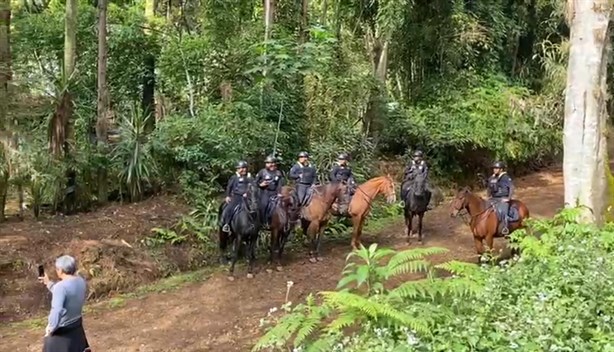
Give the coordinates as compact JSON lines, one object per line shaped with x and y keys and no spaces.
{"x":264,"y":207}
{"x":503,"y":208}
{"x":302,"y":191}
{"x":229,"y":209}
{"x":70,"y":338}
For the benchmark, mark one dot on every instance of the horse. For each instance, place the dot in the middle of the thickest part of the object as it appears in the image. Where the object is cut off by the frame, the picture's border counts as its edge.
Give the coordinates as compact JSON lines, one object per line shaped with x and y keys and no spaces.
{"x":416,"y":202}
{"x":280,"y":225}
{"x":315,"y":215}
{"x":244,"y":227}
{"x":360,"y":204}
{"x":484,"y":221}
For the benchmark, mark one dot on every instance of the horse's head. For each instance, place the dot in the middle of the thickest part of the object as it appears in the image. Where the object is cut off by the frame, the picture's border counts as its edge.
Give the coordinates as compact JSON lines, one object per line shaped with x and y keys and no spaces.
{"x":388,"y":188}
{"x":419,"y":184}
{"x":460,"y":201}
{"x":252,"y":197}
{"x":287,"y":198}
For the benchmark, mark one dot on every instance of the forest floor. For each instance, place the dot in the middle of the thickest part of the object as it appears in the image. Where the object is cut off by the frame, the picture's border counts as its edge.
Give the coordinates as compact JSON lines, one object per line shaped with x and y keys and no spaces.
{"x":207,"y":312}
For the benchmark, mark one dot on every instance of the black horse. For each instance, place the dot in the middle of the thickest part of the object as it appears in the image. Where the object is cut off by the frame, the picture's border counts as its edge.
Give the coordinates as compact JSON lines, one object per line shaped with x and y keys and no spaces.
{"x":416,"y":199}
{"x":244,"y":228}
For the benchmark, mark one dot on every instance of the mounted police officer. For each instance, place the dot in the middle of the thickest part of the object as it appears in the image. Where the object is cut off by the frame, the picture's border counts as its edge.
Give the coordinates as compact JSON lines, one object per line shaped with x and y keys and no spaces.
{"x":500,"y":191}
{"x":236,"y":190}
{"x":342,"y":172}
{"x":304,"y":175}
{"x":270,"y":181}
{"x":416,"y":165}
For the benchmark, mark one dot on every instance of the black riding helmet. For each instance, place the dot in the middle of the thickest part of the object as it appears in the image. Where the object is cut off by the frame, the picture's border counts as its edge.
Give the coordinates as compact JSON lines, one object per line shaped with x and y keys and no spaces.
{"x":343,"y":156}
{"x":418,"y":154}
{"x":498,"y":165}
{"x":303,"y":155}
{"x":241,"y":164}
{"x":270,"y":159}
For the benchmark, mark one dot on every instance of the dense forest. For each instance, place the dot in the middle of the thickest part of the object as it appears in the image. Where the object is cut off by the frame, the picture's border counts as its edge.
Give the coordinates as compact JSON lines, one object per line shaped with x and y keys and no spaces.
{"x":118,"y":100}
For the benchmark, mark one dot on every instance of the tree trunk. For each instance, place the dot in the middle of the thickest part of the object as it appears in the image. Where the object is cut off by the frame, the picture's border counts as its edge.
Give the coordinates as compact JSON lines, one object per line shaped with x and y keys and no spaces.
{"x":304,"y":26}
{"x":148,"y":102}
{"x":324,"y":12}
{"x":585,"y":154}
{"x":5,"y":77}
{"x":102,"y":122}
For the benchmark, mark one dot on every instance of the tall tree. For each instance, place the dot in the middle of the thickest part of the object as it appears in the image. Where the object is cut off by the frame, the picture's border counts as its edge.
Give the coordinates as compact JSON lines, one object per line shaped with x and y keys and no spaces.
{"x":103,"y":107}
{"x":149,"y":78}
{"x":5,"y":77}
{"x":585,"y":155}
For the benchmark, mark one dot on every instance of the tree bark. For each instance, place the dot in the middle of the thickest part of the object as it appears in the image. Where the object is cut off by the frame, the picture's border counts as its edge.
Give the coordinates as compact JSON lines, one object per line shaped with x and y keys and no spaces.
{"x":585,"y":149}
{"x":102,"y":122}
{"x":5,"y":77}
{"x":148,"y":102}
{"x":304,"y":31}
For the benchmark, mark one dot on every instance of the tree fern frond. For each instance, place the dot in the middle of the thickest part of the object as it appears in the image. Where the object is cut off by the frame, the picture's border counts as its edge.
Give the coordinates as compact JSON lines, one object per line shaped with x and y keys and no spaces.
{"x":282,"y":331}
{"x":344,"y":320}
{"x":413,"y":254}
{"x":324,"y":344}
{"x":460,"y":268}
{"x":413,"y":266}
{"x":433,"y":288}
{"x":345,"y":301}
{"x":307,"y":327}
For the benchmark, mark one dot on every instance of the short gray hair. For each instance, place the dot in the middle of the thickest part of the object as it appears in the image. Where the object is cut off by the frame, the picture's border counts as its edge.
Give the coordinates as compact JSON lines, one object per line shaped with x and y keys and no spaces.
{"x":66,"y":264}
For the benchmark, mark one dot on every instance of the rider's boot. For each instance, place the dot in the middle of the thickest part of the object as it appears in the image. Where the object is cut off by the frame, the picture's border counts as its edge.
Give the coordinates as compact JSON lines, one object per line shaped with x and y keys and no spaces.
{"x":504,"y":228}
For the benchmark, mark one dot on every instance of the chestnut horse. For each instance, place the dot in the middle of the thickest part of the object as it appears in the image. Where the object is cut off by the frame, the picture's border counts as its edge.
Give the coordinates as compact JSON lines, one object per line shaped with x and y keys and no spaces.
{"x":315,"y":215}
{"x":484,"y":222}
{"x":361,"y":202}
{"x":280,"y":225}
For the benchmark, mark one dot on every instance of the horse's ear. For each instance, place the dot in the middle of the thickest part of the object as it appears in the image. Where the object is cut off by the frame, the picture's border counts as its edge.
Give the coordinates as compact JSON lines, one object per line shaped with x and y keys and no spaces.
{"x":467,"y":189}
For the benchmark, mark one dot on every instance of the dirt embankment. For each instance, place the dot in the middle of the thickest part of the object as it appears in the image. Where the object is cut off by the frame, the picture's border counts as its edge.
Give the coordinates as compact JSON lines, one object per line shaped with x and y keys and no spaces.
{"x":108,"y":244}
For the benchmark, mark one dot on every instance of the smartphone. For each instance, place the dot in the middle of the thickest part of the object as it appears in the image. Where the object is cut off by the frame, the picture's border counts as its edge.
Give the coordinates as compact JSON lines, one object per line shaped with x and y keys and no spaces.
{"x":41,"y":271}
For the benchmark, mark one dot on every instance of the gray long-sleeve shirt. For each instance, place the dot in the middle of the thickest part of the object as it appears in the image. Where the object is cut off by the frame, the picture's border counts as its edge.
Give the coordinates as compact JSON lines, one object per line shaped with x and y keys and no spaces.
{"x":68,"y":298}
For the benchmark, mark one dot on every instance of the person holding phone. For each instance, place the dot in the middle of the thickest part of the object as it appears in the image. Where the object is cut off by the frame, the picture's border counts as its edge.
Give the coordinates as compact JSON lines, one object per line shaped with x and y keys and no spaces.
{"x":64,"y":332}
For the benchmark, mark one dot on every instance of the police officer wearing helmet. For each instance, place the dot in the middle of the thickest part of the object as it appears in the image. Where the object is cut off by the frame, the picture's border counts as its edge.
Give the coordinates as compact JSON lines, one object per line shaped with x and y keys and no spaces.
{"x":500,"y":191}
{"x":342,"y":172}
{"x":416,"y":165}
{"x":236,"y":190}
{"x":270,"y":181}
{"x":304,"y":175}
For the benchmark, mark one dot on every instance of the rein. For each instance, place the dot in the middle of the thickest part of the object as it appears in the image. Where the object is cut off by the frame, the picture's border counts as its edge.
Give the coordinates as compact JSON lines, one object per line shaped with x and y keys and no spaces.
{"x":369,"y":198}
{"x":466,"y":212}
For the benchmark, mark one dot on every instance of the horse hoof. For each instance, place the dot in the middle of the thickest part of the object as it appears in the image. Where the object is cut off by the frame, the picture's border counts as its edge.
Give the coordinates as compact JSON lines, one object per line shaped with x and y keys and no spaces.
{"x":279,"y":268}
{"x":250,"y":275}
{"x":313,"y":260}
{"x":320,"y":259}
{"x":231,"y":278}
{"x":269,"y":271}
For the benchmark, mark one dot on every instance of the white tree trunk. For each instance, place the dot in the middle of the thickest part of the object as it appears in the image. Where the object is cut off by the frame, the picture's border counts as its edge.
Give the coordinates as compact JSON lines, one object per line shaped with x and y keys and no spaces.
{"x":585,"y":154}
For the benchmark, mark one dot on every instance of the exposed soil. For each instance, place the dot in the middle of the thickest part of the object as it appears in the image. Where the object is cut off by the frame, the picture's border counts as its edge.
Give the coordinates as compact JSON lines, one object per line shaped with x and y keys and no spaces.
{"x":219,"y":315}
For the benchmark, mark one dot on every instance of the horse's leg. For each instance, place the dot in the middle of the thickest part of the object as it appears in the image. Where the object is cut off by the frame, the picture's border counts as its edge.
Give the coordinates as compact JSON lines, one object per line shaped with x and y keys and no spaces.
{"x":311,"y":231}
{"x":235,"y":257}
{"x":410,"y":227}
{"x":319,"y":235}
{"x":479,"y":247}
{"x":223,"y":245}
{"x":282,"y":243}
{"x":273,"y":243}
{"x":420,"y":217}
{"x":490,"y":239}
{"x":251,"y":257}
{"x":357,"y":222}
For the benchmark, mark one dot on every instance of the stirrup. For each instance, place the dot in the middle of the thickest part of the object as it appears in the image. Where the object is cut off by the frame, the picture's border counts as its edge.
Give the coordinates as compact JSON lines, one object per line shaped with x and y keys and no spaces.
{"x":225,"y":228}
{"x":505,"y":231}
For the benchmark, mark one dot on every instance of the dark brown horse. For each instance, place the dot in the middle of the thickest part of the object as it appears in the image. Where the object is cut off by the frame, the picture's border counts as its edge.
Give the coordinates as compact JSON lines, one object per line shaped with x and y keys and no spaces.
{"x":361,"y":202}
{"x":280,"y":225}
{"x":315,"y":215}
{"x":484,"y":222}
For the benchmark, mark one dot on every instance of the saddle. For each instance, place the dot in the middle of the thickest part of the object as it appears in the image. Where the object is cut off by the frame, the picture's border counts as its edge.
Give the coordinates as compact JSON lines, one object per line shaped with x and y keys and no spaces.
{"x":513,"y":214}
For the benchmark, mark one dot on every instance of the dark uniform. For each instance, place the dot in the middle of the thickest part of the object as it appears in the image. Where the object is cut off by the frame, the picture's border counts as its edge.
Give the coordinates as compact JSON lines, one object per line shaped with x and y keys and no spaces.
{"x":270,"y":181}
{"x":342,"y":172}
{"x":305,"y":177}
{"x":500,"y":188}
{"x":416,"y":165}
{"x":236,"y":190}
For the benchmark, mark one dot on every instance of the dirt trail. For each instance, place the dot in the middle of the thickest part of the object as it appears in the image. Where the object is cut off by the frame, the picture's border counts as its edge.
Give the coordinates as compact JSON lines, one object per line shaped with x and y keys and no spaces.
{"x":218,"y":315}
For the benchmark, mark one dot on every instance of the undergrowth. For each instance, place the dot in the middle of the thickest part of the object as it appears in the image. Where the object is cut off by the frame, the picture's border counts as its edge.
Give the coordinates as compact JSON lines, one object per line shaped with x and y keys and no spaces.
{"x":558,"y":296}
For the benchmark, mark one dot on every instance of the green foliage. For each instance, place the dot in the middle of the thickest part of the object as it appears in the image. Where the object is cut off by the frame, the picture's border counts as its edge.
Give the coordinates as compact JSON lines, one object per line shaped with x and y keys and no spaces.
{"x":556,"y":296}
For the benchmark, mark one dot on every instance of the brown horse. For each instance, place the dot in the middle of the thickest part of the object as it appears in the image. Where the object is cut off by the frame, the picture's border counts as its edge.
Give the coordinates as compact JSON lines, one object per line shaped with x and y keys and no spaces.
{"x":315,"y":215}
{"x":280,"y":225}
{"x":361,"y":202}
{"x":484,"y":222}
